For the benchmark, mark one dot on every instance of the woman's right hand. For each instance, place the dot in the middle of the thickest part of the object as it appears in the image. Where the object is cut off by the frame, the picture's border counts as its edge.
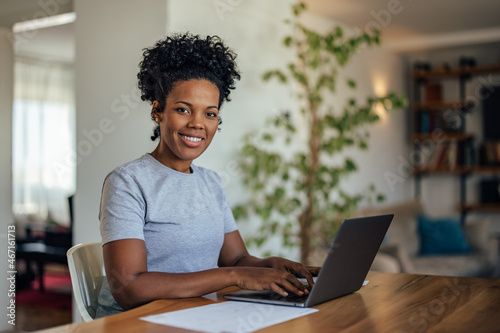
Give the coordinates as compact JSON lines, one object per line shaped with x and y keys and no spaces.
{"x":263,"y":278}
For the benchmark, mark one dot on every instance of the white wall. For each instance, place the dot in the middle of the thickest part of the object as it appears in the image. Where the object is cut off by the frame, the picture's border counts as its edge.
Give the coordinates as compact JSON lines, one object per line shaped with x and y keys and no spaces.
{"x":113,"y":125}
{"x":109,"y":38}
{"x":255,"y":29}
{"x":6,"y":217}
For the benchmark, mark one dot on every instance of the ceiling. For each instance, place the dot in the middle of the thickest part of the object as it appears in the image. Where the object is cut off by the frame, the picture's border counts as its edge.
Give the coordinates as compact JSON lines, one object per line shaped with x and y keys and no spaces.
{"x":407,"y":24}
{"x":12,"y":11}
{"x":55,"y":42}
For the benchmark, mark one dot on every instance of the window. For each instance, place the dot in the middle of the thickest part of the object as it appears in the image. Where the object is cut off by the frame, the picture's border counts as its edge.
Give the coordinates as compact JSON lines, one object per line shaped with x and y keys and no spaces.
{"x":44,"y":167}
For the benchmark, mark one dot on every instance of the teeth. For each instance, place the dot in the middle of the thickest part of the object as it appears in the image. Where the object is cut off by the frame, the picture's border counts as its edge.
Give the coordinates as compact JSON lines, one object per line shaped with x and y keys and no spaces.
{"x":189,"y":138}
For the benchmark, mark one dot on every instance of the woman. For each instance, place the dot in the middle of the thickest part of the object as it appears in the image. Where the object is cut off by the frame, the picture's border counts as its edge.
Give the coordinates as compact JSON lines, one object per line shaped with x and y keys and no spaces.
{"x":166,"y":226}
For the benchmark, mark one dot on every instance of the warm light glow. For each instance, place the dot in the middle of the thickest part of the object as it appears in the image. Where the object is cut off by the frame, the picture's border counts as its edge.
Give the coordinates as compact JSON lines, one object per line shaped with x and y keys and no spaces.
{"x":380,"y":110}
{"x":380,"y":89}
{"x":380,"y":86}
{"x":387,"y":104}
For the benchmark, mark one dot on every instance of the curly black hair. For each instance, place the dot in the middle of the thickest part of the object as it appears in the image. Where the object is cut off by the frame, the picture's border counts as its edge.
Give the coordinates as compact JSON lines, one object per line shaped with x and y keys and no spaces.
{"x":184,"y":57}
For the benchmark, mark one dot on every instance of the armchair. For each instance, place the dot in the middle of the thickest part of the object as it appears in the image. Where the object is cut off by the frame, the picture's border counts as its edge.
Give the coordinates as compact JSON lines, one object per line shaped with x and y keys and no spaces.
{"x":401,"y":252}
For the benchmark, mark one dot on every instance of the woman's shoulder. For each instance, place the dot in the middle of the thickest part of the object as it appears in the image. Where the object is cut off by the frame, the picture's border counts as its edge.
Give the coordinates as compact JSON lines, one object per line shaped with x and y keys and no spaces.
{"x":135,"y":168}
{"x":145,"y":161}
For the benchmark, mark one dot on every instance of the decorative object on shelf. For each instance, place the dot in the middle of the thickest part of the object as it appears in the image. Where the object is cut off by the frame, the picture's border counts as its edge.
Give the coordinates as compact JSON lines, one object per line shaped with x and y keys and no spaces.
{"x":444,"y":67}
{"x":422,"y":66}
{"x":466,"y":62}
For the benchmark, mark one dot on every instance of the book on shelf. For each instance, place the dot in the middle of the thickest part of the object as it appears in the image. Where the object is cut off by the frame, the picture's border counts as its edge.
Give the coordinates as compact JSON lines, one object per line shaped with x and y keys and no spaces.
{"x":490,"y":153}
{"x":448,"y":156}
{"x":428,"y":121}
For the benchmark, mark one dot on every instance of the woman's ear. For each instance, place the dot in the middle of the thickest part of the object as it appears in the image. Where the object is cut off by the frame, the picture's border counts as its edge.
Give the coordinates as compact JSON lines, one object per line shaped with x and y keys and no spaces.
{"x":155,"y":112}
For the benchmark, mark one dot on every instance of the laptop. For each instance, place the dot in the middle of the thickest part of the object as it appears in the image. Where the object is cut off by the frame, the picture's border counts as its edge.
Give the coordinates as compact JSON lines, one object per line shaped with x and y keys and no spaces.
{"x":344,"y":270}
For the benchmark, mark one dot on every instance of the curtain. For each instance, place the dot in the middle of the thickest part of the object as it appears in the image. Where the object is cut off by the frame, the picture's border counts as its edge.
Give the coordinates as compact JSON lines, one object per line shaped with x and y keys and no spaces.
{"x":44,"y":172}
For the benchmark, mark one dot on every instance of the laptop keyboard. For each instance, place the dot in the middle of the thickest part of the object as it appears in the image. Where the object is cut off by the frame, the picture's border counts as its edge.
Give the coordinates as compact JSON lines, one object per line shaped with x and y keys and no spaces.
{"x":290,"y":298}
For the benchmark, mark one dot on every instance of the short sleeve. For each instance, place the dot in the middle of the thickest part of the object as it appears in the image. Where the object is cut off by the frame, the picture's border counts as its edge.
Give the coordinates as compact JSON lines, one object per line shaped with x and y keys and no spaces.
{"x":122,"y":208}
{"x":229,"y":222}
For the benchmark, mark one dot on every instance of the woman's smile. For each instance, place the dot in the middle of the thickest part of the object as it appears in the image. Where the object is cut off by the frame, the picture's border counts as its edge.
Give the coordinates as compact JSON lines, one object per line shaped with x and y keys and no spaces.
{"x":191,"y":141}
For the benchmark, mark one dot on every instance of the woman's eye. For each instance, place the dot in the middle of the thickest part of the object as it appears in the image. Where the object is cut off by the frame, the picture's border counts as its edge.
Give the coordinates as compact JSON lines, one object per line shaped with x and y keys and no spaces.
{"x":182,"y":110}
{"x":212,"y":114}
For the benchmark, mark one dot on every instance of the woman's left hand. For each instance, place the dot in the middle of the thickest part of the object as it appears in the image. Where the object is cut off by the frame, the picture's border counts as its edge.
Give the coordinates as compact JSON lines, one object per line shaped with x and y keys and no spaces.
{"x":293,"y":267}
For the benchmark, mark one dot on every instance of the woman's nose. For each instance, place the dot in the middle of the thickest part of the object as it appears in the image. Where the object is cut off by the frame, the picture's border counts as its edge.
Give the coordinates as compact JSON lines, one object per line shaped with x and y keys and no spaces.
{"x":196,"y":120}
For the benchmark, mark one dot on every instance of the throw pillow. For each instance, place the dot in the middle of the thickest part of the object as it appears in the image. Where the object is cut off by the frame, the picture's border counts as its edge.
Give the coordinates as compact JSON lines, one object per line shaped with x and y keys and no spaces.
{"x":441,"y":236}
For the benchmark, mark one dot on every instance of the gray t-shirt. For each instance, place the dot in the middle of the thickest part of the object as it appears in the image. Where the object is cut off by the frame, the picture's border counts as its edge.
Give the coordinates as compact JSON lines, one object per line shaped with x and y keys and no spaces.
{"x":181,"y":217}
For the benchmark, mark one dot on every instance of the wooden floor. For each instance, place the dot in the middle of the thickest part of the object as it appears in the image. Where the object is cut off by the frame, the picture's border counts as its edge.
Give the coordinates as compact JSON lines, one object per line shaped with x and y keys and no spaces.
{"x":29,"y":319}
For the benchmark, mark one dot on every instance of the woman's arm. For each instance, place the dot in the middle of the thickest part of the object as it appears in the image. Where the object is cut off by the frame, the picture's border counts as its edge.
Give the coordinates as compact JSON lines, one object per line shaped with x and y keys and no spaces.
{"x":234,"y":253}
{"x":132,"y":285}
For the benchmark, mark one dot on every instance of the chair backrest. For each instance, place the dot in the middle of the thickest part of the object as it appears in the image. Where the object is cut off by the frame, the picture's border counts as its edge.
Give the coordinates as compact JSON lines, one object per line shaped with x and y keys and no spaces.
{"x":86,"y":267}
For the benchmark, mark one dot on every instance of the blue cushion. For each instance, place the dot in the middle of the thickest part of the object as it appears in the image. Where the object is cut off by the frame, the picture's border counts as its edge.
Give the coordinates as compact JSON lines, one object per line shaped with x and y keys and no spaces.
{"x":441,"y":236}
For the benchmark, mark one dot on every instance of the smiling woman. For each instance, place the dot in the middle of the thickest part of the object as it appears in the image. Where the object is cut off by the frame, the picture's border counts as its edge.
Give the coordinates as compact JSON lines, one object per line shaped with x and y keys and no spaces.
{"x":166,"y":224}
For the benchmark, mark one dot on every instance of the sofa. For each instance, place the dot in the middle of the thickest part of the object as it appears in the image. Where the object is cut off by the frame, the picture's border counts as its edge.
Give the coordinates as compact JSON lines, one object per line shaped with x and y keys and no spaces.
{"x":402,"y":249}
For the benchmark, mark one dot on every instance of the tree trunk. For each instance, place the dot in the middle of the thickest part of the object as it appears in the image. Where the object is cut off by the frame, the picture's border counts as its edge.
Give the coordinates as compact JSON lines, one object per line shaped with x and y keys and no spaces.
{"x":306,"y":218}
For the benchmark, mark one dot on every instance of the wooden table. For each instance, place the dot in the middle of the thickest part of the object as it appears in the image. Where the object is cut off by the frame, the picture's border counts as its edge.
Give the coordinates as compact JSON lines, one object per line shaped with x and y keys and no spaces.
{"x":389,"y":303}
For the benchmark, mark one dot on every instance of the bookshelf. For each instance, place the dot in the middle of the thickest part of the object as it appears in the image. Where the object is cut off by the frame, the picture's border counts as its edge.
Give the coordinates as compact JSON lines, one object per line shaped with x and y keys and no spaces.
{"x":439,"y":133}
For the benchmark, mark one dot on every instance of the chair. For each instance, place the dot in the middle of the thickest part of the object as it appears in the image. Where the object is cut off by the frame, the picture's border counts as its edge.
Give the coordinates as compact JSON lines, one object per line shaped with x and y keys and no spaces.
{"x":86,"y":268}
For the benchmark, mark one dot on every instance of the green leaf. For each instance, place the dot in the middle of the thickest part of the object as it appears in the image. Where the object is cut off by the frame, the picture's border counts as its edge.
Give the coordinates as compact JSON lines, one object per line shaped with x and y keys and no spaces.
{"x":276,"y":73}
{"x":350,"y":165}
{"x":239,"y":212}
{"x":339,"y":32}
{"x":267,"y":137}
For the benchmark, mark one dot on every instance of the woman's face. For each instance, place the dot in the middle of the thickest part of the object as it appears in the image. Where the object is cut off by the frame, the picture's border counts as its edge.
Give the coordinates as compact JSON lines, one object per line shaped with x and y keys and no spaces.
{"x":188,"y":123}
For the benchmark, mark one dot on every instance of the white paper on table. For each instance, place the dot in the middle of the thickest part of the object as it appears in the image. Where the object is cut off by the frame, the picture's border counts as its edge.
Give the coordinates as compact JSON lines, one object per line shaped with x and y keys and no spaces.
{"x":230,"y":316}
